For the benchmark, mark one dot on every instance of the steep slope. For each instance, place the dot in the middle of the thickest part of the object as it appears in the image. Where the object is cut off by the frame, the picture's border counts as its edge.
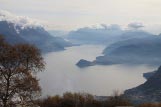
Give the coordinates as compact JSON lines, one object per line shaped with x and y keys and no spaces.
{"x":150,"y":91}
{"x":11,"y":35}
{"x":34,"y":35}
{"x":41,"y":38}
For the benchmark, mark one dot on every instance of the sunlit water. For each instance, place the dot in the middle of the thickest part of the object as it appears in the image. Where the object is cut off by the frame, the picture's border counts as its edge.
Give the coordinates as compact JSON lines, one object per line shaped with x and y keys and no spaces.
{"x":63,"y":75}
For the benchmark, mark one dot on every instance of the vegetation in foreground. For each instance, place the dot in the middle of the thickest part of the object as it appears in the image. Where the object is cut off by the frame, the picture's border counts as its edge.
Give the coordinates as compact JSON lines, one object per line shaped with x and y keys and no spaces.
{"x":82,"y":100}
{"x":18,"y":66}
{"x":87,"y":100}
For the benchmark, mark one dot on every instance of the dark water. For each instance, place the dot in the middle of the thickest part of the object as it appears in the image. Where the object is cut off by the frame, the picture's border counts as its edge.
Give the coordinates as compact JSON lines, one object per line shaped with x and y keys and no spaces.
{"x":63,"y":75}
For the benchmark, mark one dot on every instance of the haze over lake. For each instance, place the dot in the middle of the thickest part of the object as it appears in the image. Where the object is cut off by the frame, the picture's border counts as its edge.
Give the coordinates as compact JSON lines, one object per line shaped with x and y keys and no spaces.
{"x":63,"y":75}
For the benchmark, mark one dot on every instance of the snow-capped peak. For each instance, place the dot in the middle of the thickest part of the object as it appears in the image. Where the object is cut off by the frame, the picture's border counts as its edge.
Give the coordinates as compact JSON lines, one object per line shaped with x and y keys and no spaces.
{"x":21,"y":22}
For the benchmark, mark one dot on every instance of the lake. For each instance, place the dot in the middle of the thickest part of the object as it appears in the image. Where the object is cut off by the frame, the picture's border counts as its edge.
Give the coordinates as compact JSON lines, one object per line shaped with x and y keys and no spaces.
{"x":62,"y":75}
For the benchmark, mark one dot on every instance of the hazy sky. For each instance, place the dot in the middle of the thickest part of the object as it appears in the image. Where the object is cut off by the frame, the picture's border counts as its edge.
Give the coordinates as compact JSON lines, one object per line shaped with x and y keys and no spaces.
{"x":72,"y":14}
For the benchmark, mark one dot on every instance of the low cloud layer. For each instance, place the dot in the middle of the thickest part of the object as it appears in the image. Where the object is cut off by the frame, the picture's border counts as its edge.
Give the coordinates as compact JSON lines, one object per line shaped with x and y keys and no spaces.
{"x":135,"y":25}
{"x":22,"y":21}
{"x":114,"y":27}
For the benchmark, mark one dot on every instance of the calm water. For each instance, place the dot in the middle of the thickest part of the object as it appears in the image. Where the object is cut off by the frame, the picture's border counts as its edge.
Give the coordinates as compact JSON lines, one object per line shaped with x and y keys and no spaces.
{"x":63,"y":75}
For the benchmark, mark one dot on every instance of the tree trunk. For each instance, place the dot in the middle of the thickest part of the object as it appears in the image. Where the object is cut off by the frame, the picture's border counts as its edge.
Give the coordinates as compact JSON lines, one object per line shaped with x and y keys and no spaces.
{"x":4,"y":103}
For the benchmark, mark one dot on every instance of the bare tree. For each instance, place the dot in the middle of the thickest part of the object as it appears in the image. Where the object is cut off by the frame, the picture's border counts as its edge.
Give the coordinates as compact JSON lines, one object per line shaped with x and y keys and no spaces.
{"x":18,"y":66}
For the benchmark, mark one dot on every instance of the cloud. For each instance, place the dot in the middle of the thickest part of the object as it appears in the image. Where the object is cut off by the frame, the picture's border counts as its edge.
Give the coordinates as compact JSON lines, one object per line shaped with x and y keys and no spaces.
{"x":103,"y":27}
{"x":135,"y":25}
{"x":111,"y":27}
{"x":22,"y":21}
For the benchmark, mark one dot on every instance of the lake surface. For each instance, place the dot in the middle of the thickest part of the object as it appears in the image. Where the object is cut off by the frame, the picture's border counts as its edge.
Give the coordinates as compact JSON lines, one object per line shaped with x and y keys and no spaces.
{"x":62,"y":75}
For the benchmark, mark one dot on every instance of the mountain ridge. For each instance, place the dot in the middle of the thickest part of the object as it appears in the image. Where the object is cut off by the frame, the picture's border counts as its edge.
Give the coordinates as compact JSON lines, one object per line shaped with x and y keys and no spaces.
{"x":37,"y":36}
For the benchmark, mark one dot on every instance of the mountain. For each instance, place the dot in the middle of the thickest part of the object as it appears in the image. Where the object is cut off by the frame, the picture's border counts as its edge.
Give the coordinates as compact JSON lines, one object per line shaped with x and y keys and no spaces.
{"x":36,"y":35}
{"x":141,"y":48}
{"x":10,"y":33}
{"x":145,"y":50}
{"x":104,"y":35}
{"x":92,"y":35}
{"x":150,"y":91}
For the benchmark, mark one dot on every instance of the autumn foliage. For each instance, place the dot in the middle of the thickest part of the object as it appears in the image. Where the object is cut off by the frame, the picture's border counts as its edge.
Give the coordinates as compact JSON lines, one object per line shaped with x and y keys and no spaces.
{"x":18,"y":66}
{"x":81,"y":100}
{"x":69,"y":100}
